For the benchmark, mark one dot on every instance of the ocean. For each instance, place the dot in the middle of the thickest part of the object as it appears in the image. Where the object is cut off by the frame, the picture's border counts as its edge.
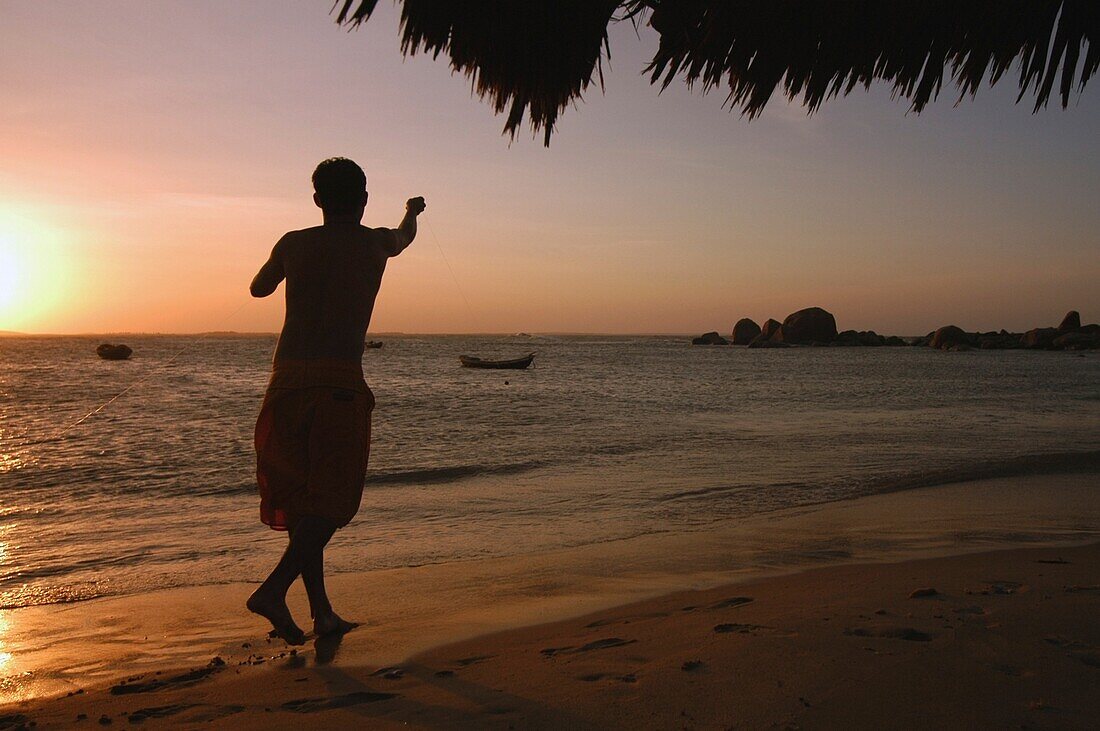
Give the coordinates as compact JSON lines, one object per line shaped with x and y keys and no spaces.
{"x":605,"y":438}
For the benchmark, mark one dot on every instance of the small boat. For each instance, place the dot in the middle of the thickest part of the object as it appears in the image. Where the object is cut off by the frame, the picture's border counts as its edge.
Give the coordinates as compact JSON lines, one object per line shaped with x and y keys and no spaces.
{"x":373,"y":344}
{"x":106,"y":351}
{"x":518,"y":364}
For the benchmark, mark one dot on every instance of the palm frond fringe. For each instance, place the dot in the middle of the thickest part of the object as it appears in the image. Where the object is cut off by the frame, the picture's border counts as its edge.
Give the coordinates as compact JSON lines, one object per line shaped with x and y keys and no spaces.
{"x":532,"y":58}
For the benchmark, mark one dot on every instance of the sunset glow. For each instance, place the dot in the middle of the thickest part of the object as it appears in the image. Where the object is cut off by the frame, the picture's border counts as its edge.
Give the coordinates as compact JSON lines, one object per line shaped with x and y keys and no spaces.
{"x":35,"y":272}
{"x":182,"y":155}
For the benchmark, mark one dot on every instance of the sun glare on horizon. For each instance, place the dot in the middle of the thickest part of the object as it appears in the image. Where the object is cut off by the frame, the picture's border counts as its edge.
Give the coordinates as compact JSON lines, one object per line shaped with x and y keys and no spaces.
{"x":34,"y":271}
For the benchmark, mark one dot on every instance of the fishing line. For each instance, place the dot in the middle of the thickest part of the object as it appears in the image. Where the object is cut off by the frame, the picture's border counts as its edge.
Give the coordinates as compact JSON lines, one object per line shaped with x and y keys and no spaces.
{"x":156,"y":370}
{"x":447,"y":261}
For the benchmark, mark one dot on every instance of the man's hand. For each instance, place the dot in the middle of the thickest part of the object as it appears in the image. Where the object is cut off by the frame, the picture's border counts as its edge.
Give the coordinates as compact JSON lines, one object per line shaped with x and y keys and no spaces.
{"x":406,"y":232}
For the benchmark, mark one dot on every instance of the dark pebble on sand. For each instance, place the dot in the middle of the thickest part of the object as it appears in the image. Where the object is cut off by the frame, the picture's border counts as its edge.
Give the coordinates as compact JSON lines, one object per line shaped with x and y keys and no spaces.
{"x":217,"y":662}
{"x":81,"y":716}
{"x":691,"y":665}
{"x":926,"y":591}
{"x":444,"y":673}
{"x":104,"y":720}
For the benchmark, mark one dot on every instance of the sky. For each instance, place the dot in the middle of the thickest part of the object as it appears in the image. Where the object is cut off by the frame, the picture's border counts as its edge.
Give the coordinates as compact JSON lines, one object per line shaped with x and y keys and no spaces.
{"x":151,"y":153}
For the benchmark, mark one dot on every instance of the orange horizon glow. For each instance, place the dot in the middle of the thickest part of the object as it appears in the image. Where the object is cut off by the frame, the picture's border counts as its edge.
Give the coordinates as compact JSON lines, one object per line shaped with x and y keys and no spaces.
{"x":143,"y":196}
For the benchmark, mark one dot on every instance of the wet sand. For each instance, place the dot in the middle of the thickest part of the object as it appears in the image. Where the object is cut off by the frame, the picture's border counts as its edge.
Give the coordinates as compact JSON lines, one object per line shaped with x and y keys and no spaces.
{"x":804,"y":619}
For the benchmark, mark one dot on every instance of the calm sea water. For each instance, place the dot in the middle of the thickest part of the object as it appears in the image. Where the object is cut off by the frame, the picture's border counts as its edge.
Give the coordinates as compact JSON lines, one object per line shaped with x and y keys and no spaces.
{"x":606,"y":438}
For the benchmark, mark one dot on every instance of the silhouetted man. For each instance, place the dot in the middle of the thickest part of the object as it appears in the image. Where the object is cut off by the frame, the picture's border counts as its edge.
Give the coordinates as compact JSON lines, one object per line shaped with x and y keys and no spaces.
{"x":313,"y":432}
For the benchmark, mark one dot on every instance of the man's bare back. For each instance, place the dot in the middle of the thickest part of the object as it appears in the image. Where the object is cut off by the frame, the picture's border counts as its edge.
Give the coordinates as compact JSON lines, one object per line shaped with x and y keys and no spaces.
{"x":332,"y":274}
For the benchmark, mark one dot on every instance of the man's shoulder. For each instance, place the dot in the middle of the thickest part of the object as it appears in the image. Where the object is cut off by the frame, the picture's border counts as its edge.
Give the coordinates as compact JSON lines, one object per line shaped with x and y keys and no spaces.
{"x":294,"y":239}
{"x":302,"y":233}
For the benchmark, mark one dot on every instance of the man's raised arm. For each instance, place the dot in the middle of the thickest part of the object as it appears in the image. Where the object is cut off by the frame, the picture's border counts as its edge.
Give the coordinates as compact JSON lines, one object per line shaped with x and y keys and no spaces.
{"x":270,"y":274}
{"x":406,"y":232}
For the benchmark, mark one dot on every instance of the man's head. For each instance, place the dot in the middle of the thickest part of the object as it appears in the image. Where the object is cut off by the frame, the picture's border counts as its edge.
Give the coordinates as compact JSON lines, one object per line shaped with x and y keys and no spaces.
{"x":340,"y":187}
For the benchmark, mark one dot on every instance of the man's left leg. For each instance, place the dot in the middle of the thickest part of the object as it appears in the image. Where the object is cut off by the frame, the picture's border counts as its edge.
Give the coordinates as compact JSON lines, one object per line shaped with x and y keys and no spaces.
{"x":307,"y":545}
{"x":325,"y":620}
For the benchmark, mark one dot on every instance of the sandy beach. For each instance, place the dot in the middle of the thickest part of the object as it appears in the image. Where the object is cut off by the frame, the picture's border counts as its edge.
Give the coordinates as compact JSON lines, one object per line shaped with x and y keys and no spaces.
{"x":805,"y":618}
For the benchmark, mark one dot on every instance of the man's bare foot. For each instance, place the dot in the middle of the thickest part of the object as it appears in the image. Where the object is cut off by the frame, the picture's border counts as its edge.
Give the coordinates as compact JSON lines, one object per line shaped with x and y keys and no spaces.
{"x":331,"y":624}
{"x":275,"y":610}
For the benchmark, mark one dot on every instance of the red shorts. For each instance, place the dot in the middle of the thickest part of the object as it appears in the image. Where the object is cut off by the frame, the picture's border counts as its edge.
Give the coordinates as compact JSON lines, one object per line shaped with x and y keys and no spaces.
{"x":312,"y":442}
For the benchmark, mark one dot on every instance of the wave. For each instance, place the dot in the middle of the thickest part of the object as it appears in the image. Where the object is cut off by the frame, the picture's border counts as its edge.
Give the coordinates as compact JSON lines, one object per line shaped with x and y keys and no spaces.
{"x":449,"y":473}
{"x":1030,"y":464}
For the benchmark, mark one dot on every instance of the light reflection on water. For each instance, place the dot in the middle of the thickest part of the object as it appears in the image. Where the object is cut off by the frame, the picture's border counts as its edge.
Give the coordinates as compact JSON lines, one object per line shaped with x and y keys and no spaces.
{"x":11,"y":459}
{"x":605,"y":438}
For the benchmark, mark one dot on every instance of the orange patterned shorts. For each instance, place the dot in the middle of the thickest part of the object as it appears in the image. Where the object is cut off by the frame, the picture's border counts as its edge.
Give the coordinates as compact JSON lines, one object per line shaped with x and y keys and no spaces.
{"x":312,"y":442}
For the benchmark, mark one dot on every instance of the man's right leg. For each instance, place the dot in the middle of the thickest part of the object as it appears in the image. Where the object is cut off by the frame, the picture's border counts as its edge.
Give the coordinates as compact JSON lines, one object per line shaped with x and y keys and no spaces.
{"x":307,"y":545}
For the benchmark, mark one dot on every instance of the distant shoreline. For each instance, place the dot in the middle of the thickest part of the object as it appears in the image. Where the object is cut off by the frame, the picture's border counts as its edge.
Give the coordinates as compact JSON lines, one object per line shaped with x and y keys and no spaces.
{"x":235,"y":333}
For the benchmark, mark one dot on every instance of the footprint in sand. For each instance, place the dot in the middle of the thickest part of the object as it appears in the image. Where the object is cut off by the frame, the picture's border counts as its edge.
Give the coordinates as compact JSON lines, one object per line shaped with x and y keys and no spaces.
{"x":191,"y":677}
{"x":1077,"y":650}
{"x":161,"y":712}
{"x":1002,"y":588}
{"x":628,"y":678}
{"x":389,"y":673}
{"x":893,"y":633}
{"x":314,"y":705}
{"x":734,"y":601}
{"x":594,"y":645}
{"x":604,"y":644}
{"x":744,"y":629}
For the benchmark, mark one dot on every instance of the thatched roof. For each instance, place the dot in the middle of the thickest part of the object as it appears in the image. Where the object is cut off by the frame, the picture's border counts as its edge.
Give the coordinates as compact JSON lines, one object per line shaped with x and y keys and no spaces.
{"x":535,"y":57}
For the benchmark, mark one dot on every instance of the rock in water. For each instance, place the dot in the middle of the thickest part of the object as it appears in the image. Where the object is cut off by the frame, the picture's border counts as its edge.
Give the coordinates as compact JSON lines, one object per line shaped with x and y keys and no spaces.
{"x":1071,"y":322}
{"x":811,"y":325}
{"x":1040,"y":337}
{"x":770,"y":328}
{"x":744,"y":331}
{"x":948,"y":336}
{"x":1076,"y":341}
{"x":711,"y":338}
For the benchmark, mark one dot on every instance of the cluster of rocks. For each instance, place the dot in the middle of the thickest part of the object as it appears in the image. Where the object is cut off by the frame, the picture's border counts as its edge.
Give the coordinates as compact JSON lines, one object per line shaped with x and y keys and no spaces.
{"x":1069,"y":335}
{"x":811,"y":326}
{"x":816,"y":326}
